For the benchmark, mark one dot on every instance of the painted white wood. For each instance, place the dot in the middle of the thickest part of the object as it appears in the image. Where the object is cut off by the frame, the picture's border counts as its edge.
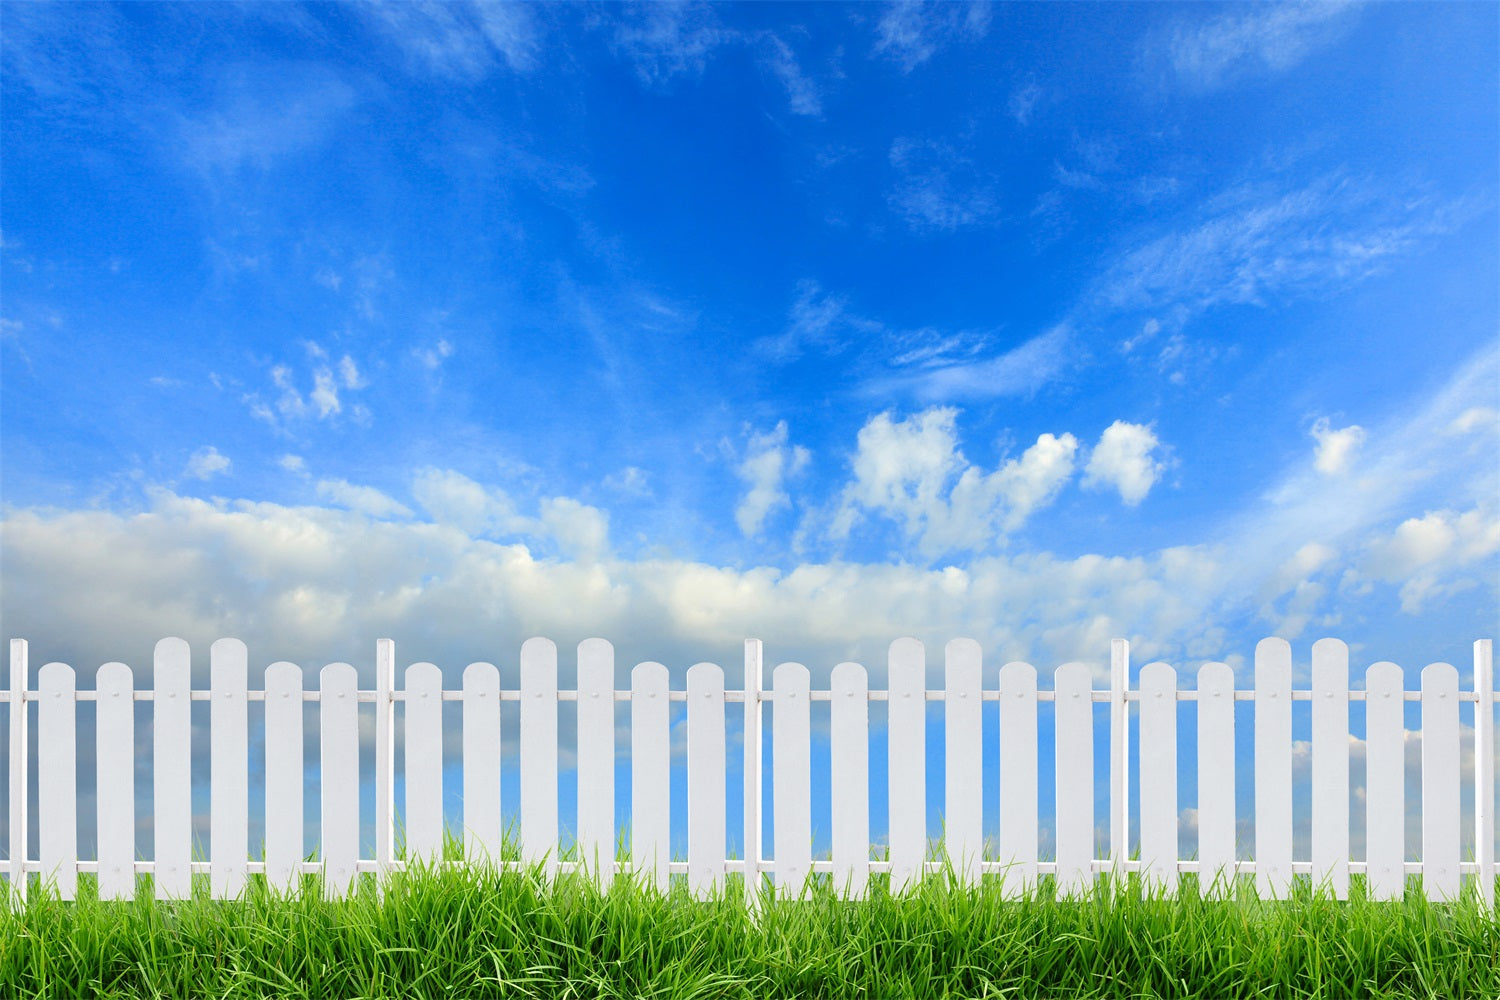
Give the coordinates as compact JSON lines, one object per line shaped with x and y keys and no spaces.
{"x":1385,"y":781}
{"x":539,"y":753}
{"x":424,"y":762}
{"x":1440,"y":875}
{"x":229,"y":768}
{"x":754,"y":785}
{"x":1074,"y":685}
{"x":284,"y":775}
{"x":791,"y":778}
{"x":338,"y":765}
{"x":1216,"y":782}
{"x":385,"y":758}
{"x":1330,"y":766}
{"x":19,"y":777}
{"x":1273,"y":768}
{"x":57,"y":777}
{"x":849,"y":778}
{"x":963,"y":834}
{"x":650,"y":775}
{"x":1018,"y":778}
{"x":706,"y":797}
{"x":1158,"y":777}
{"x":481,"y":765}
{"x":907,"y":770}
{"x":1484,"y":768}
{"x":172,"y":782}
{"x":114,"y":748}
{"x":1119,"y":757}
{"x":596,"y":758}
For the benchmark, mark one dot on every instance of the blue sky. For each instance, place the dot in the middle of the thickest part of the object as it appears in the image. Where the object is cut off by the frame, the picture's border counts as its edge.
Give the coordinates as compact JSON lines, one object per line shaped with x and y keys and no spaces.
{"x":678,"y":324}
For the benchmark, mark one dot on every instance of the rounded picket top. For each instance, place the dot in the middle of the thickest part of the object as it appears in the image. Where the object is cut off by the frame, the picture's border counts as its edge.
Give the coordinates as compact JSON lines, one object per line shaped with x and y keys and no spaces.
{"x":849,"y":675}
{"x":1073,"y":677}
{"x":1017,"y":674}
{"x":650,"y":674}
{"x":481,"y":676}
{"x":538,"y":649}
{"x":424,"y":676}
{"x":790,"y":675}
{"x":283,"y":675}
{"x":596,"y":647}
{"x":171,"y":647}
{"x":1158,"y":675}
{"x":1216,"y":676}
{"x":54,"y":676}
{"x":338,"y":673}
{"x":1440,"y":677}
{"x":1385,"y":675}
{"x":230,"y":647}
{"x":114,"y":676}
{"x":709,"y":676}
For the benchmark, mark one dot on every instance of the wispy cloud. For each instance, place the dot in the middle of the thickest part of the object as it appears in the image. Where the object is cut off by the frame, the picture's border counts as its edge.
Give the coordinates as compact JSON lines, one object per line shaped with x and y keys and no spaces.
{"x":1269,"y":38}
{"x":205,"y":463}
{"x":1017,"y":372}
{"x":267,"y":112}
{"x":910,"y":32}
{"x":668,"y":39}
{"x":461,"y":40}
{"x":802,"y":93}
{"x":937,"y":189}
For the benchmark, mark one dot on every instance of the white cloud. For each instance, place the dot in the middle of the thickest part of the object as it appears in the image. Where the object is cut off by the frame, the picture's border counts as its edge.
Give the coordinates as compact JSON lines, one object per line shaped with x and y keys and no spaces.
{"x":1424,"y":553}
{"x":460,"y":40}
{"x":938,"y":190}
{"x":580,"y":531}
{"x":1476,"y":418}
{"x":325,"y":394}
{"x":272,"y":113}
{"x":432,"y":357}
{"x":910,"y":32}
{"x":349,"y":374}
{"x":1271,"y":38}
{"x":452,"y":498}
{"x":670,"y":38}
{"x":768,"y":461}
{"x":292,"y":463}
{"x":205,"y":463}
{"x":629,"y":481}
{"x":1023,"y":103}
{"x":1124,"y":459}
{"x":1021,"y":370}
{"x":363,"y":499}
{"x":815,"y":320}
{"x":802,"y":94}
{"x":1336,"y":448}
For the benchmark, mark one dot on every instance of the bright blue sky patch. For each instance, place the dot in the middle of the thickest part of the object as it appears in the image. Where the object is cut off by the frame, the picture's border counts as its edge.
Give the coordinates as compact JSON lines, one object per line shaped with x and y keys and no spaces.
{"x":677,"y":324}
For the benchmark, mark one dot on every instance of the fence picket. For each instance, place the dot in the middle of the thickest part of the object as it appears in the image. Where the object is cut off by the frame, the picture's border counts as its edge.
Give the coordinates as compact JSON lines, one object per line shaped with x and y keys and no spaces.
{"x":1440,"y":878}
{"x":57,"y":777}
{"x":424,"y":762}
{"x":283,"y":852}
{"x":907,"y":770}
{"x":229,"y":809}
{"x":1385,"y":781}
{"x":1330,"y":766}
{"x":706,"y":801}
{"x":1273,"y":768}
{"x":650,"y":773}
{"x":791,"y":784}
{"x":1018,"y":778}
{"x":1074,"y":688}
{"x":1216,"y":853}
{"x":1158,"y":772}
{"x":963,"y":795}
{"x":114,"y":748}
{"x":849,"y":778}
{"x":338,"y":763}
{"x":481,"y":734}
{"x":20,"y":657}
{"x":539,"y":753}
{"x":172,"y":782}
{"x":596,"y":757}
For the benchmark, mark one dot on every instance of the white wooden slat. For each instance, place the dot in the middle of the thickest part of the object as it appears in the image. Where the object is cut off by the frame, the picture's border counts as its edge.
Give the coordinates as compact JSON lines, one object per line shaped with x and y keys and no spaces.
{"x":284,"y":775}
{"x":338,"y":765}
{"x":1273,"y":768}
{"x":57,"y":778}
{"x":706,"y":796}
{"x":596,"y":758}
{"x":754,"y":783}
{"x":1018,"y":778}
{"x":964,"y":742}
{"x":19,"y":675}
{"x":849,"y":778}
{"x":172,"y":782}
{"x":1216,"y":854}
{"x":1119,"y":757}
{"x":424,"y":762}
{"x":650,"y":775}
{"x":539,"y":753}
{"x":481,"y":735}
{"x":1330,"y":766}
{"x":907,"y":770}
{"x":385,"y":759}
{"x":1158,"y":776}
{"x":229,"y":768}
{"x":1484,"y":769}
{"x":791,"y":778}
{"x":1440,"y":816}
{"x":1385,"y":781}
{"x":114,"y":747}
{"x":1074,"y":685}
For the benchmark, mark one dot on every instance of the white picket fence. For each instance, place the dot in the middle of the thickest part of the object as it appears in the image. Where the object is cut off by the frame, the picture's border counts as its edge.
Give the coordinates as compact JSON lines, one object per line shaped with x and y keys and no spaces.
{"x":1019,"y":697}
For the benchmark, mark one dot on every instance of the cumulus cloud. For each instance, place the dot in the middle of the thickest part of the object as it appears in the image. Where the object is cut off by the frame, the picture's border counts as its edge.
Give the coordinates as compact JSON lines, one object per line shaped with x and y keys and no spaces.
{"x":1125,"y":459}
{"x":205,"y":463}
{"x":1336,"y":447}
{"x":912,"y":472}
{"x":768,"y":462}
{"x":450,"y":497}
{"x":1425,"y":554}
{"x":364,"y":499}
{"x":579,"y":530}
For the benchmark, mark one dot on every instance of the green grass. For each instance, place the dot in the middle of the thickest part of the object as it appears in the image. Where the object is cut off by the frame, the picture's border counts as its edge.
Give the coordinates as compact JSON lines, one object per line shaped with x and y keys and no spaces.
{"x":470,"y":931}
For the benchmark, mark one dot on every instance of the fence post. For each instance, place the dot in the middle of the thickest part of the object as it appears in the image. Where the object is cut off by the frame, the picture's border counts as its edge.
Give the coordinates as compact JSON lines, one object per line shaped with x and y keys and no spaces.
{"x":385,"y":758}
{"x":18,"y":771}
{"x":1119,"y":756}
{"x":1484,"y":768}
{"x":753,"y":787}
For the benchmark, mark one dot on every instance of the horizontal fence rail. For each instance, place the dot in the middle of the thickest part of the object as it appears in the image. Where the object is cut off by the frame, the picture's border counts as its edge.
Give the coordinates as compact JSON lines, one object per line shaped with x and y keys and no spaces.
{"x":1019,"y":697}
